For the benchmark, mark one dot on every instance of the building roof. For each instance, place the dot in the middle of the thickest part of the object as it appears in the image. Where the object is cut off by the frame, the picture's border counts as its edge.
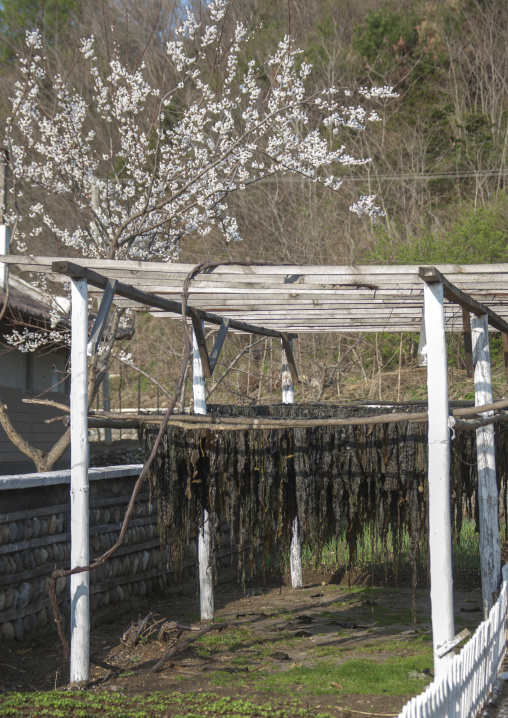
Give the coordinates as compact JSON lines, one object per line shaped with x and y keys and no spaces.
{"x":26,"y":301}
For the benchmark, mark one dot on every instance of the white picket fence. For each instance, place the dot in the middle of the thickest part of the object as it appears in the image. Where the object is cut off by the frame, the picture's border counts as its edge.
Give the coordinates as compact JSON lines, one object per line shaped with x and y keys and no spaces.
{"x":464,"y":690}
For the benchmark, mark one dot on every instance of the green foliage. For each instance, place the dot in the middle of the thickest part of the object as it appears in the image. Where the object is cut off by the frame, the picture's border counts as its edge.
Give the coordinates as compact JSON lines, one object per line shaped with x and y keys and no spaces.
{"x":393,"y":676}
{"x":385,"y":34}
{"x":477,"y":236}
{"x":60,"y":704}
{"x":19,"y":16}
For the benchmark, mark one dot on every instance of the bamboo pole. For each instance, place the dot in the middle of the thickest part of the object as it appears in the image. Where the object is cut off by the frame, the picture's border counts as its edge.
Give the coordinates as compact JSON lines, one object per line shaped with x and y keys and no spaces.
{"x":440,"y":534}
{"x":295,"y":549}
{"x":79,"y":584}
{"x":206,"y":598}
{"x":230,"y":423}
{"x":490,"y":547}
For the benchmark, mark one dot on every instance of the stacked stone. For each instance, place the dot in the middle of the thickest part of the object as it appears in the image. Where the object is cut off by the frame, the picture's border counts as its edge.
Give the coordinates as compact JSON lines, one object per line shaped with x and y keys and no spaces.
{"x":34,"y":542}
{"x":29,"y":549}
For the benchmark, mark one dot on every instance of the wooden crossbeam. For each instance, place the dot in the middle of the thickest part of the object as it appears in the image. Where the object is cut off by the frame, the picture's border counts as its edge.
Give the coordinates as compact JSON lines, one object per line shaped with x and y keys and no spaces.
{"x":201,"y":342}
{"x":71,"y":269}
{"x":219,"y":341}
{"x":288,"y":349}
{"x":456,"y":295}
{"x":209,"y":361}
{"x":101,"y":318}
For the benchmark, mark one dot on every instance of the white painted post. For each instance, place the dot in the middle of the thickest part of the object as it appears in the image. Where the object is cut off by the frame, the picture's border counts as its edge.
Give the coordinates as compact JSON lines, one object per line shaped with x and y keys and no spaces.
{"x":204,"y":534}
{"x":295,"y":550}
{"x":5,"y":240}
{"x":295,"y":556}
{"x":440,"y":533}
{"x":421,"y":359}
{"x":80,"y":604}
{"x":288,"y":390}
{"x":490,"y":546}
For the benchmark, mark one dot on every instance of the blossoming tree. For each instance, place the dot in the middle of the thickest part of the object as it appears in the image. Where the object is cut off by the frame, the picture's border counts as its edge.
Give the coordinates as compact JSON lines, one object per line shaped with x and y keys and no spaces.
{"x":140,"y":166}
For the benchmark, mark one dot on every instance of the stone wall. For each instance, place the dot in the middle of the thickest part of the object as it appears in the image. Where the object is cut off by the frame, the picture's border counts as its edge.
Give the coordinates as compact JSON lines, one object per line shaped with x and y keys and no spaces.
{"x":35,"y":537}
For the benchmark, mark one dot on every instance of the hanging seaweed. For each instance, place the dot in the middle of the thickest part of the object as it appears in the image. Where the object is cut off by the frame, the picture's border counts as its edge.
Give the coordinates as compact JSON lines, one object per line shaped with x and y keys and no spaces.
{"x":336,"y":479}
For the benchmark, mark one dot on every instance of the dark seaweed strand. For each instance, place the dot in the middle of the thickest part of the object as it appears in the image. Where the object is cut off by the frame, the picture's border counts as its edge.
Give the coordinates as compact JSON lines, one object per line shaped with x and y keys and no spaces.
{"x":336,"y":478}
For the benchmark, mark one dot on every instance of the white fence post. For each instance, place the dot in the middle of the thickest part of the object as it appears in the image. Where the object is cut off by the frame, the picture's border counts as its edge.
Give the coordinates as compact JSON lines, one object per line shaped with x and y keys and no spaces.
{"x":490,"y":546}
{"x":295,"y":550}
{"x":80,"y":602}
{"x":440,"y":535}
{"x":206,"y":598}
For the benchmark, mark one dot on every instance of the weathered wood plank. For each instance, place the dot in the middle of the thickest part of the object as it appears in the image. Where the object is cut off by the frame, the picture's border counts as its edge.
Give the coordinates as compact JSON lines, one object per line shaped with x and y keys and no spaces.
{"x":454,"y":294}
{"x":284,"y":269}
{"x":74,"y":270}
{"x":218,"y":343}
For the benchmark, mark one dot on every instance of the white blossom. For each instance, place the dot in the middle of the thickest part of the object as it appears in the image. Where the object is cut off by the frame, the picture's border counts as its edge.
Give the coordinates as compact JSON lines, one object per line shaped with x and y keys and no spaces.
{"x":161,"y":176}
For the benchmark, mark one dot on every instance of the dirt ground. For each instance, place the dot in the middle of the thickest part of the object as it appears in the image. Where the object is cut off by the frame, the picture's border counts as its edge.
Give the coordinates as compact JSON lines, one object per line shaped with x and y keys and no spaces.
{"x":267,"y":630}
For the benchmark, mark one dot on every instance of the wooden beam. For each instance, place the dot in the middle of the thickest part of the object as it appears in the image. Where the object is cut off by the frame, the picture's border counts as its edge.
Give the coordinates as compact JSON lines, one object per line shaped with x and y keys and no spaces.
{"x":450,"y":645}
{"x":101,"y":318}
{"x":199,"y":338}
{"x":431,"y":275}
{"x":209,"y":361}
{"x":287,"y":343}
{"x":211,"y":420}
{"x":218,"y":343}
{"x":72,"y":269}
{"x":468,"y":347}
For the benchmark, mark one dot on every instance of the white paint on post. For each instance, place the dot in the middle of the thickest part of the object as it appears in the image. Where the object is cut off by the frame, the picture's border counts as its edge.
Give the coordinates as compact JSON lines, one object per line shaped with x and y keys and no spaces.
{"x":295,"y":556}
{"x":490,"y":546}
{"x":206,"y":598}
{"x":198,"y":379}
{"x":440,"y":534}
{"x":421,"y":359}
{"x":288,"y":390}
{"x":295,"y":549}
{"x":80,"y":603}
{"x":5,"y":240}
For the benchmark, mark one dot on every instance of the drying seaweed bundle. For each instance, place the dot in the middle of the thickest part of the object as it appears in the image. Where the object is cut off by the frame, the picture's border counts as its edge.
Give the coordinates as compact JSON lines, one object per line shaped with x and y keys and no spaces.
{"x":337,"y":479}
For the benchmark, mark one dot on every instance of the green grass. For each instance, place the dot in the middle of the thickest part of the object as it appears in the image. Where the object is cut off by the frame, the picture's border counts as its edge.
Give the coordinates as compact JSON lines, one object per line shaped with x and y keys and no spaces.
{"x":86,"y":704}
{"x":373,"y":555}
{"x":355,"y":676}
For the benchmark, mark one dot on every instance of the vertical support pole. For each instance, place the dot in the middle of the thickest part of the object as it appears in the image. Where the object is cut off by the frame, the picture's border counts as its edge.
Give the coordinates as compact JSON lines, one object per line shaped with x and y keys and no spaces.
{"x":80,"y":604}
{"x":440,"y":534}
{"x":490,"y":546}
{"x":5,"y":232}
{"x":4,"y":176}
{"x":288,"y":390}
{"x":204,"y":534}
{"x":5,"y":240}
{"x":421,"y":357}
{"x":295,"y":550}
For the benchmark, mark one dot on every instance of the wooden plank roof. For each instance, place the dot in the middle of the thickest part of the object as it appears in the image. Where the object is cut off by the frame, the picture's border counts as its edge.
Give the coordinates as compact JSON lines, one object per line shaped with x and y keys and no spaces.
{"x":293,"y":298}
